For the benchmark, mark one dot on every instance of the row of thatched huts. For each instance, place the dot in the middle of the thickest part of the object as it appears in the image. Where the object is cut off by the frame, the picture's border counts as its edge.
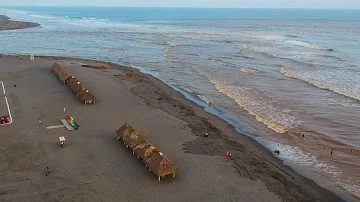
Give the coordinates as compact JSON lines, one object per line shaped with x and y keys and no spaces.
{"x":76,"y":86}
{"x":156,"y":161}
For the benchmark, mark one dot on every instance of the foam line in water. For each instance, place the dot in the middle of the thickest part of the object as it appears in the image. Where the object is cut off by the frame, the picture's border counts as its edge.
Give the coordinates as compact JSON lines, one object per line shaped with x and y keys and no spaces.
{"x":263,"y":108}
{"x":293,"y":74}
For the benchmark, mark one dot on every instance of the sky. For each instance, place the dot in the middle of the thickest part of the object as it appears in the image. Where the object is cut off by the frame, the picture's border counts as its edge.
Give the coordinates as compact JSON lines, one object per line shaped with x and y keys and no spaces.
{"x":331,"y":4}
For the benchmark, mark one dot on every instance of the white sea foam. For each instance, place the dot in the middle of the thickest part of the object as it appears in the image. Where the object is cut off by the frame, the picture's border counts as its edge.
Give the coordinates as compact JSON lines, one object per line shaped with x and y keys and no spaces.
{"x":296,"y":156}
{"x":260,"y":105}
{"x":336,"y":89}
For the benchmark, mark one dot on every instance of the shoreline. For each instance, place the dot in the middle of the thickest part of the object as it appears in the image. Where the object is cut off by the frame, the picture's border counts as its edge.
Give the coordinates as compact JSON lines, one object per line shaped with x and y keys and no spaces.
{"x":250,"y":159}
{"x":7,"y":24}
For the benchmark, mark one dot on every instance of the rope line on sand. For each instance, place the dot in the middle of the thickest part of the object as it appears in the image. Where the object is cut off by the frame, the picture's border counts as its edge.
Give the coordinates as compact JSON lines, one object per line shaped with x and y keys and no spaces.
{"x":7,"y":103}
{"x":2,"y":83}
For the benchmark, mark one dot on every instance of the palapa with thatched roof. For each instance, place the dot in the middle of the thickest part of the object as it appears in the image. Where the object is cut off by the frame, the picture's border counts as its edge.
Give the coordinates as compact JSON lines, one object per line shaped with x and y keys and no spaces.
{"x":76,"y":86}
{"x":157,"y":162}
{"x":146,"y":151}
{"x":161,"y":166}
{"x":71,"y":81}
{"x":87,"y":97}
{"x":61,"y":72}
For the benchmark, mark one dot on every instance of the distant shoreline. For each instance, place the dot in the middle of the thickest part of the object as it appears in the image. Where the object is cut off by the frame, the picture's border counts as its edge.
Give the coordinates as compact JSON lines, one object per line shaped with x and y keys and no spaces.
{"x":7,"y":24}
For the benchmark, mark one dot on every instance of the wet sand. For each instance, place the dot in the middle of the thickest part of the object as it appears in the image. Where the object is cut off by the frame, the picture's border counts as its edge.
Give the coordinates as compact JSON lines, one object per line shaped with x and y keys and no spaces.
{"x":95,"y":167}
{"x":7,"y":24}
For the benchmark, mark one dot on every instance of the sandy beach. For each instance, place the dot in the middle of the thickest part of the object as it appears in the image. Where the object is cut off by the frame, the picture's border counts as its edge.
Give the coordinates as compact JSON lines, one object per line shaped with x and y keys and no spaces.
{"x":95,"y":167}
{"x":7,"y":24}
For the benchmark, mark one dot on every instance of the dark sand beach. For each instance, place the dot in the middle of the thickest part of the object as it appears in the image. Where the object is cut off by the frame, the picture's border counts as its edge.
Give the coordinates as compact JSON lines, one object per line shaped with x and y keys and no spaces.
{"x":95,"y":167}
{"x":7,"y":24}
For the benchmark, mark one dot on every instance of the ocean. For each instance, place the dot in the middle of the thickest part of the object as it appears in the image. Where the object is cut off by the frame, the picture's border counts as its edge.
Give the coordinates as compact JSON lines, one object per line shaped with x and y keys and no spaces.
{"x":275,"y":74}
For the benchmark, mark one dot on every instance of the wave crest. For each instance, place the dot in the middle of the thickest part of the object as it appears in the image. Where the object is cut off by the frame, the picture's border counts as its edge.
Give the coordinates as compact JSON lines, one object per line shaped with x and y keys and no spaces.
{"x":248,"y":70}
{"x":347,"y":93}
{"x":264,"y":110}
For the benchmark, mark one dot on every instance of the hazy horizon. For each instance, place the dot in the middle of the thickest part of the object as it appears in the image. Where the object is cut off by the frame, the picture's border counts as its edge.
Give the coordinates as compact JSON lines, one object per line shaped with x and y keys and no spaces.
{"x":189,"y":7}
{"x":276,"y":4}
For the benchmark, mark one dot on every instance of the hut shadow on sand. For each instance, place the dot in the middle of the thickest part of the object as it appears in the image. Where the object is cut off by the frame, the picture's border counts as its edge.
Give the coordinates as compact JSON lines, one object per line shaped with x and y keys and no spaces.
{"x":153,"y":158}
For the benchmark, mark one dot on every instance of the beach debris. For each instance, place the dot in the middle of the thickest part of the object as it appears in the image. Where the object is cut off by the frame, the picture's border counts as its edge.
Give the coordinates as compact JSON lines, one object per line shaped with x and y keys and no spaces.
{"x":331,"y":153}
{"x":64,"y":109}
{"x":277,"y":152}
{"x":133,"y":75}
{"x":14,"y":85}
{"x":210,"y":104}
{"x":40,"y":122}
{"x":206,"y":135}
{"x":95,"y":66}
{"x":152,"y":157}
{"x":228,"y":154}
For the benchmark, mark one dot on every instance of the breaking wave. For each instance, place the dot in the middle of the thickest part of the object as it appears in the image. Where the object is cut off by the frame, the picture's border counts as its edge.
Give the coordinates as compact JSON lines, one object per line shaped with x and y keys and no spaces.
{"x":308,"y":45}
{"x":248,"y":70}
{"x":347,"y":93}
{"x":261,"y":106}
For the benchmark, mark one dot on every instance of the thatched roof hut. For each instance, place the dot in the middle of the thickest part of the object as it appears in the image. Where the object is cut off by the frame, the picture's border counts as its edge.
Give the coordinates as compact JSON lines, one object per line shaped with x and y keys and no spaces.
{"x":71,"y":81}
{"x":55,"y":68}
{"x":77,"y":87}
{"x":146,"y":151}
{"x":124,"y":130}
{"x":87,"y":97}
{"x":157,"y":162}
{"x":61,"y":72}
{"x":130,"y":136}
{"x":161,"y":165}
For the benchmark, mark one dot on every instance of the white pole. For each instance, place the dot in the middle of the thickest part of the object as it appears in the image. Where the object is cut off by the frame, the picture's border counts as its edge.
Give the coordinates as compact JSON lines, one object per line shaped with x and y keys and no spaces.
{"x":2,"y":83}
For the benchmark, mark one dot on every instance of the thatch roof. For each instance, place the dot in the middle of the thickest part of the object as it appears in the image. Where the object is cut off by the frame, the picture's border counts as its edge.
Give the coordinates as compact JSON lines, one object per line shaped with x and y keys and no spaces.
{"x":129,"y":136}
{"x":61,"y":72}
{"x":55,"y":67}
{"x":156,"y":161}
{"x":161,"y":165}
{"x":146,"y":151}
{"x":125,"y":129}
{"x":77,"y":87}
{"x":87,"y":96}
{"x":71,"y":81}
